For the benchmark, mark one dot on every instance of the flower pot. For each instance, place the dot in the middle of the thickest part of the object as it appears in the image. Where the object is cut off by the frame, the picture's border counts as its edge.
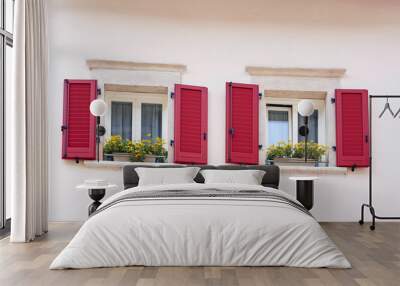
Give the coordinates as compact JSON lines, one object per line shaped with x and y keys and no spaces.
{"x":154,"y":158}
{"x":121,"y":157}
{"x":294,"y":161}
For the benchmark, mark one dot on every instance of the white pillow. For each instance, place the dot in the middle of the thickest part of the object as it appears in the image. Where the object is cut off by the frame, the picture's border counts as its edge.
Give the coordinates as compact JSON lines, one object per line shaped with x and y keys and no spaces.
{"x":166,"y":176}
{"x":248,"y":177}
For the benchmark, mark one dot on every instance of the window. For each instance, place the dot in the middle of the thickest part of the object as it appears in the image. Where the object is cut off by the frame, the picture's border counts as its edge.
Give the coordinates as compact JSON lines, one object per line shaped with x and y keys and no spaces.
{"x":279,"y":124}
{"x":136,"y":116}
{"x":283,"y":121}
{"x":151,"y":123}
{"x":9,"y":17}
{"x":312,"y":127}
{"x":121,"y":119}
{"x":6,"y":44}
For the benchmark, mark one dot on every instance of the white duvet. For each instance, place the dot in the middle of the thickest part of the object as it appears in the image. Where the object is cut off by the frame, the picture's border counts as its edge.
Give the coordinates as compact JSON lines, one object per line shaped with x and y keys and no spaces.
{"x":199,"y":231}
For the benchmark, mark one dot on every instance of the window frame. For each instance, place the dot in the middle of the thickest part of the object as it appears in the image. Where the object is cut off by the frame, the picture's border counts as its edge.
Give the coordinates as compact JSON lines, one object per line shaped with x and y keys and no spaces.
{"x":280,"y":107}
{"x":6,"y":39}
{"x":319,"y":104}
{"x":137,"y":99}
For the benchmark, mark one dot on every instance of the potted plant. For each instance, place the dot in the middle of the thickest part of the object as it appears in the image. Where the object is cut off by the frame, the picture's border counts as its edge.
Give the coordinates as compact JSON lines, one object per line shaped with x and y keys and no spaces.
{"x":284,"y":153}
{"x":139,"y":151}
{"x":118,"y":149}
{"x":155,"y":152}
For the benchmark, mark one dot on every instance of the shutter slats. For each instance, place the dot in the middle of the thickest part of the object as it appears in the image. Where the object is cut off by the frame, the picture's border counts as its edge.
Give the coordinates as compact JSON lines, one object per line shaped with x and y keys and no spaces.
{"x":242,"y":111}
{"x":190,"y":124}
{"x":79,"y":139}
{"x":352,"y":128}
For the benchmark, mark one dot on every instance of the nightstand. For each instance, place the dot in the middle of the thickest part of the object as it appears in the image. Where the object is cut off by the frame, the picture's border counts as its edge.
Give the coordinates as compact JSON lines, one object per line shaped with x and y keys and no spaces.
{"x":96,"y":190}
{"x":305,"y":190}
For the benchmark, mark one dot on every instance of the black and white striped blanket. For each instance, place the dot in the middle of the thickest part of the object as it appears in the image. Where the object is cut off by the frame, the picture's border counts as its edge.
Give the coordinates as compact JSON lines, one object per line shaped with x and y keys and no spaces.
{"x":205,"y":194}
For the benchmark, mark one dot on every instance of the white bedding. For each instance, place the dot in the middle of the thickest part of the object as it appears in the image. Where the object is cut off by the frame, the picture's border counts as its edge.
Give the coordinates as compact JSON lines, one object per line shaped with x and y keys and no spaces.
{"x":200,"y":231}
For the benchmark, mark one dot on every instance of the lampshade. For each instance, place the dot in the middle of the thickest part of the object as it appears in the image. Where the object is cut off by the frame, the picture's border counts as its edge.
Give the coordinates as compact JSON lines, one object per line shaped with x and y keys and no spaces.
{"x":305,"y":107}
{"x":98,"y":107}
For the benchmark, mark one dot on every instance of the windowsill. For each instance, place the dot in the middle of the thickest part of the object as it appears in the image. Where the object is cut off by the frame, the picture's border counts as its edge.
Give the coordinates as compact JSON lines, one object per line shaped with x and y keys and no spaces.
{"x":308,"y":170}
{"x":284,"y":169}
{"x":119,"y":164}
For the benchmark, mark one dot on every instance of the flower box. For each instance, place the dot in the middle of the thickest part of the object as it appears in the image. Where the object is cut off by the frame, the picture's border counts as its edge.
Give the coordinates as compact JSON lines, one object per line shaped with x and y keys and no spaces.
{"x":154,"y":158}
{"x":294,"y":161}
{"x":135,"y":151}
{"x":122,"y":157}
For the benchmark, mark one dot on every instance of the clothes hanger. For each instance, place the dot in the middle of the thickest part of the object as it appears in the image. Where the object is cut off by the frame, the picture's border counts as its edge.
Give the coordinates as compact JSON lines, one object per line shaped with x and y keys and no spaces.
{"x":387,"y":107}
{"x":397,"y":113}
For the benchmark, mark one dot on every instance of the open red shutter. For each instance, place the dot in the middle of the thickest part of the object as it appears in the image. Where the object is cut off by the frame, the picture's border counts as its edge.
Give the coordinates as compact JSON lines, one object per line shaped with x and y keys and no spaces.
{"x":242,"y":123}
{"x":190,"y":126}
{"x":352,"y":128}
{"x":79,"y":126}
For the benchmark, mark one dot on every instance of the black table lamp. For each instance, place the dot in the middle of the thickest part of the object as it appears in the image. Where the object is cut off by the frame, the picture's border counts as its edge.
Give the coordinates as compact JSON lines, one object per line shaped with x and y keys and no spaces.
{"x":98,"y":108}
{"x":306,"y":109}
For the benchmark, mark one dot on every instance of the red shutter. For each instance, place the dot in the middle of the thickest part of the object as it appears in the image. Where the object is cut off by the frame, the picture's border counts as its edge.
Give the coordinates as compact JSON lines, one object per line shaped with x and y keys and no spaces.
{"x":352,"y":128}
{"x":190,"y":126}
{"x":79,"y":126}
{"x":242,"y":123}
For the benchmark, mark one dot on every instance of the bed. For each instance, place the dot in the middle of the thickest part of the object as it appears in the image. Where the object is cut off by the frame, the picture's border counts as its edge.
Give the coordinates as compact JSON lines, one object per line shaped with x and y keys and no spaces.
{"x":201,"y":224}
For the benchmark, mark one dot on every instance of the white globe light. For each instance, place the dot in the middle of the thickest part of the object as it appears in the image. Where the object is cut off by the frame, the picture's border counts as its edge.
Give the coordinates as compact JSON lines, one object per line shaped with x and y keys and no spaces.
{"x":306,"y":108}
{"x":98,"y":107}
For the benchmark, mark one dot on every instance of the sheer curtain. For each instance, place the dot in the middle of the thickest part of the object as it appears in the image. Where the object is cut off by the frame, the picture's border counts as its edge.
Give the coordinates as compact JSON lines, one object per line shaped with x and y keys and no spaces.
{"x":121,"y":119}
{"x":278,"y":126}
{"x":151,"y":121}
{"x":28,"y":123}
{"x":312,"y":127}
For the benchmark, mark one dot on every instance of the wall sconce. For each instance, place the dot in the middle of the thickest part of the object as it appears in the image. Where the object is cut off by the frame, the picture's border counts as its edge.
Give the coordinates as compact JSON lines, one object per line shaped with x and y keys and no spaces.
{"x":98,"y":108}
{"x":306,"y":109}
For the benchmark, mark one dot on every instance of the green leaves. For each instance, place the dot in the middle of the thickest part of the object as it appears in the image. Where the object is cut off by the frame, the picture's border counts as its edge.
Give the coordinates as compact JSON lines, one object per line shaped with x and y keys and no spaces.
{"x":138,"y":149}
{"x":288,"y":150}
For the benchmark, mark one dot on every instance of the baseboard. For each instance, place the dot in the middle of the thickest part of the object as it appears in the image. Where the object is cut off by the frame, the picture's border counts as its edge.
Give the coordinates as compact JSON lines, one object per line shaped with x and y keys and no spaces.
{"x":66,"y":221}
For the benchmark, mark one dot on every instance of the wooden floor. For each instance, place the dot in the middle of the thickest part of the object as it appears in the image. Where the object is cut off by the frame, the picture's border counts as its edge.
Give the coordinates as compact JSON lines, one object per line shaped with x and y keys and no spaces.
{"x":375,"y":257}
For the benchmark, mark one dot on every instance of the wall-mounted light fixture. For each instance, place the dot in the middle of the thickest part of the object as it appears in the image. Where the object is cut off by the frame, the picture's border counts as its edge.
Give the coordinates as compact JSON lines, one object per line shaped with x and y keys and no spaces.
{"x":98,"y":108}
{"x":306,"y":109}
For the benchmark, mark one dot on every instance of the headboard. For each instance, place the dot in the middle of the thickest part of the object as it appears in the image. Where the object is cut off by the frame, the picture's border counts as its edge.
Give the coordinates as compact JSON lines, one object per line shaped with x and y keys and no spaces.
{"x":270,"y":179}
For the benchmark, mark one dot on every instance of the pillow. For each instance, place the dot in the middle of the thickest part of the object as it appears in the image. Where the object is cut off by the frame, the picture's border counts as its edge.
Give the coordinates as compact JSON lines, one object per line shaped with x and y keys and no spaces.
{"x":248,"y":177}
{"x":166,"y":176}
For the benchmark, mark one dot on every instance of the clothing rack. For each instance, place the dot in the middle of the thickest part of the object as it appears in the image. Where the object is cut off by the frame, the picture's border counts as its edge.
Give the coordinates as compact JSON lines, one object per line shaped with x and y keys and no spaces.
{"x":370,"y":205}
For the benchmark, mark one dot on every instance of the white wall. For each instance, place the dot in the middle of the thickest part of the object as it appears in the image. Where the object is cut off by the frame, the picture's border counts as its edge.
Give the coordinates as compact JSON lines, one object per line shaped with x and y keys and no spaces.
{"x":216,"y":40}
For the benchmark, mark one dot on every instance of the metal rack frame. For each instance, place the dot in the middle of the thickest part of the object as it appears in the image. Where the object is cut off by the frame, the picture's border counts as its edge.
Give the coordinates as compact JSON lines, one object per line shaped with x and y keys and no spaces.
{"x":370,"y":205}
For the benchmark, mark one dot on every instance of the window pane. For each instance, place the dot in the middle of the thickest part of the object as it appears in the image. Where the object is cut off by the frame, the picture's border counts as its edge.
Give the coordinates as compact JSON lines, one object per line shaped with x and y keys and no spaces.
{"x":9,"y":15}
{"x":151,"y":121}
{"x":8,"y":96}
{"x":312,"y":126}
{"x":121,"y":119}
{"x":2,"y":203}
{"x":8,"y":69}
{"x":1,"y":15}
{"x":278,"y":126}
